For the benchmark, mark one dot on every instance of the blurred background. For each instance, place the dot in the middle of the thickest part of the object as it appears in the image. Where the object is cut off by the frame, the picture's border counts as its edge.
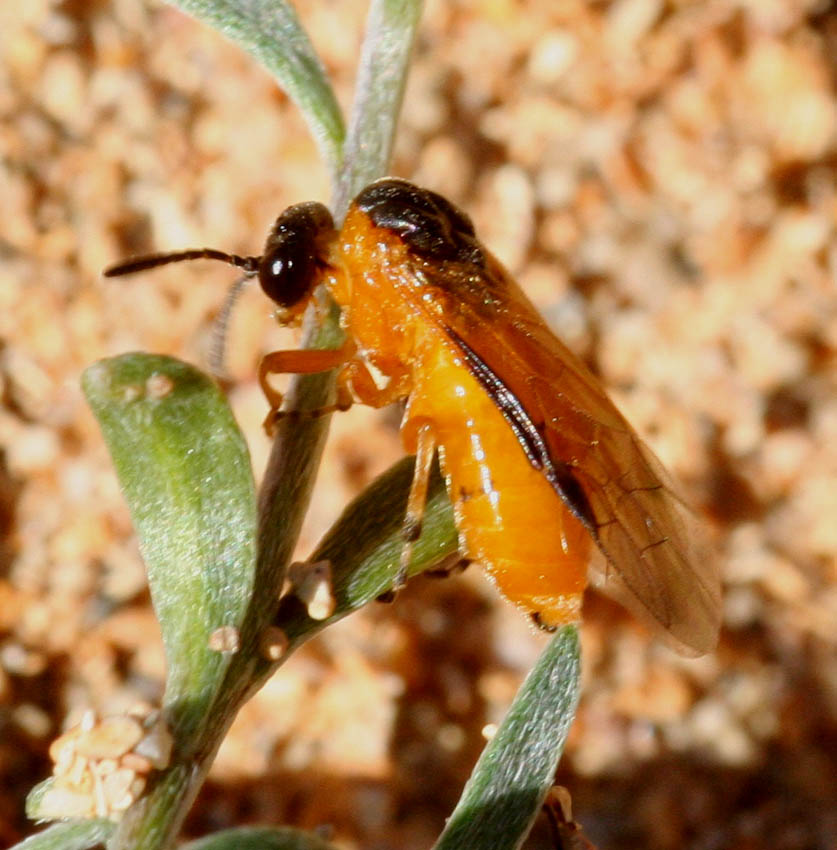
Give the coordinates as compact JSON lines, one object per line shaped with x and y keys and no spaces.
{"x":662,"y":179}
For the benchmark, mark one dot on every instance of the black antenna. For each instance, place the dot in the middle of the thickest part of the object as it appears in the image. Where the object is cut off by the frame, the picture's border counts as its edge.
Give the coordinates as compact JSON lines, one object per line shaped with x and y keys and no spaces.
{"x":250,"y":265}
{"x":150,"y":261}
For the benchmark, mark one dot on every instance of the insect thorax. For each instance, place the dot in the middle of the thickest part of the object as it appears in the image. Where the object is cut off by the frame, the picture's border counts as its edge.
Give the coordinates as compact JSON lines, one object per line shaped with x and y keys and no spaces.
{"x":432,"y":228}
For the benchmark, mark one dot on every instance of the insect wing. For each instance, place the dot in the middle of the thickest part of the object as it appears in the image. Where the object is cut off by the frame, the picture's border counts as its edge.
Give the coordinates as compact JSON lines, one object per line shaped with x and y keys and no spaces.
{"x":656,"y":561}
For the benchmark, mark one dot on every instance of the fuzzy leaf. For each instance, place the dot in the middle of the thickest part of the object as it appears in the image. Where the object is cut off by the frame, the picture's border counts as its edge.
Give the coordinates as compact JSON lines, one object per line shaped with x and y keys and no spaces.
{"x":185,"y":471}
{"x":72,"y":835}
{"x":516,"y":770}
{"x":260,"y":838}
{"x":270,"y":31}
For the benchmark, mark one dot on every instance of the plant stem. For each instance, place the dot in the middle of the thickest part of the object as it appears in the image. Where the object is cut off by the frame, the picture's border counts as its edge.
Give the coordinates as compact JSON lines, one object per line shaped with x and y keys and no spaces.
{"x":153,"y":823}
{"x":391,"y":28}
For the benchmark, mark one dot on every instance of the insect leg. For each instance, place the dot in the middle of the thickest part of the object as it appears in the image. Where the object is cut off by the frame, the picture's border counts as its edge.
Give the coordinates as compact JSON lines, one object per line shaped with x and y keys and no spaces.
{"x":411,"y":530}
{"x":356,"y":375}
{"x":300,"y":362}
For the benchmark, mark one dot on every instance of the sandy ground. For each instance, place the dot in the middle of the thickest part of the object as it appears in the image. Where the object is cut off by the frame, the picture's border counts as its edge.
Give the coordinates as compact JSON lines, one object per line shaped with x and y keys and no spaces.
{"x":662,"y":178}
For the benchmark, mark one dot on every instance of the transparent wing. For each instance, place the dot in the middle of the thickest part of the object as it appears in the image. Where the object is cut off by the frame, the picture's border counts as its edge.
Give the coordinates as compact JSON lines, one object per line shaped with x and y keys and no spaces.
{"x":656,"y":562}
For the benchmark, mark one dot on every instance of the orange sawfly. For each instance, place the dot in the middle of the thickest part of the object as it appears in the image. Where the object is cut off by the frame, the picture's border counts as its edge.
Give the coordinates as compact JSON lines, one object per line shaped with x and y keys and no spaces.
{"x":546,"y":477}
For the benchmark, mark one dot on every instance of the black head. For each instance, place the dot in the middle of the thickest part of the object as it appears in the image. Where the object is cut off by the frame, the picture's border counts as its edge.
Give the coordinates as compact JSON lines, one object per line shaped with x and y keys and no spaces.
{"x":431,"y":226}
{"x":295,"y":251}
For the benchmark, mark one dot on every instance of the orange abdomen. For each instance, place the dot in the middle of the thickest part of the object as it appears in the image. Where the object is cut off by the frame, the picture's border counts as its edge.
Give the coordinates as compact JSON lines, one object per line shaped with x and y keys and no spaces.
{"x":510,"y":520}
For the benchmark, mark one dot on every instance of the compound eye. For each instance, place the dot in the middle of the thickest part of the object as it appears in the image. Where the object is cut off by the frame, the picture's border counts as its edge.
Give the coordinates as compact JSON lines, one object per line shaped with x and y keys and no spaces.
{"x":288,"y":273}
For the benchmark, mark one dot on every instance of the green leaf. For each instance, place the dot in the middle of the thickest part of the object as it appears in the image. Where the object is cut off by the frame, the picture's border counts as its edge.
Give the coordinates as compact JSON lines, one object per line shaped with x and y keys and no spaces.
{"x":516,"y":770}
{"x":364,"y":546}
{"x":382,"y":75}
{"x":72,"y":835}
{"x":260,"y":838}
{"x":185,"y":471}
{"x":271,"y":32}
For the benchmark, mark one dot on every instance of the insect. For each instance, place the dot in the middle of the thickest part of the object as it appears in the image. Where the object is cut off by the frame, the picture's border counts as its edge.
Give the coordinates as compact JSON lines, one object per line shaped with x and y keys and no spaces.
{"x":545,"y":475}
